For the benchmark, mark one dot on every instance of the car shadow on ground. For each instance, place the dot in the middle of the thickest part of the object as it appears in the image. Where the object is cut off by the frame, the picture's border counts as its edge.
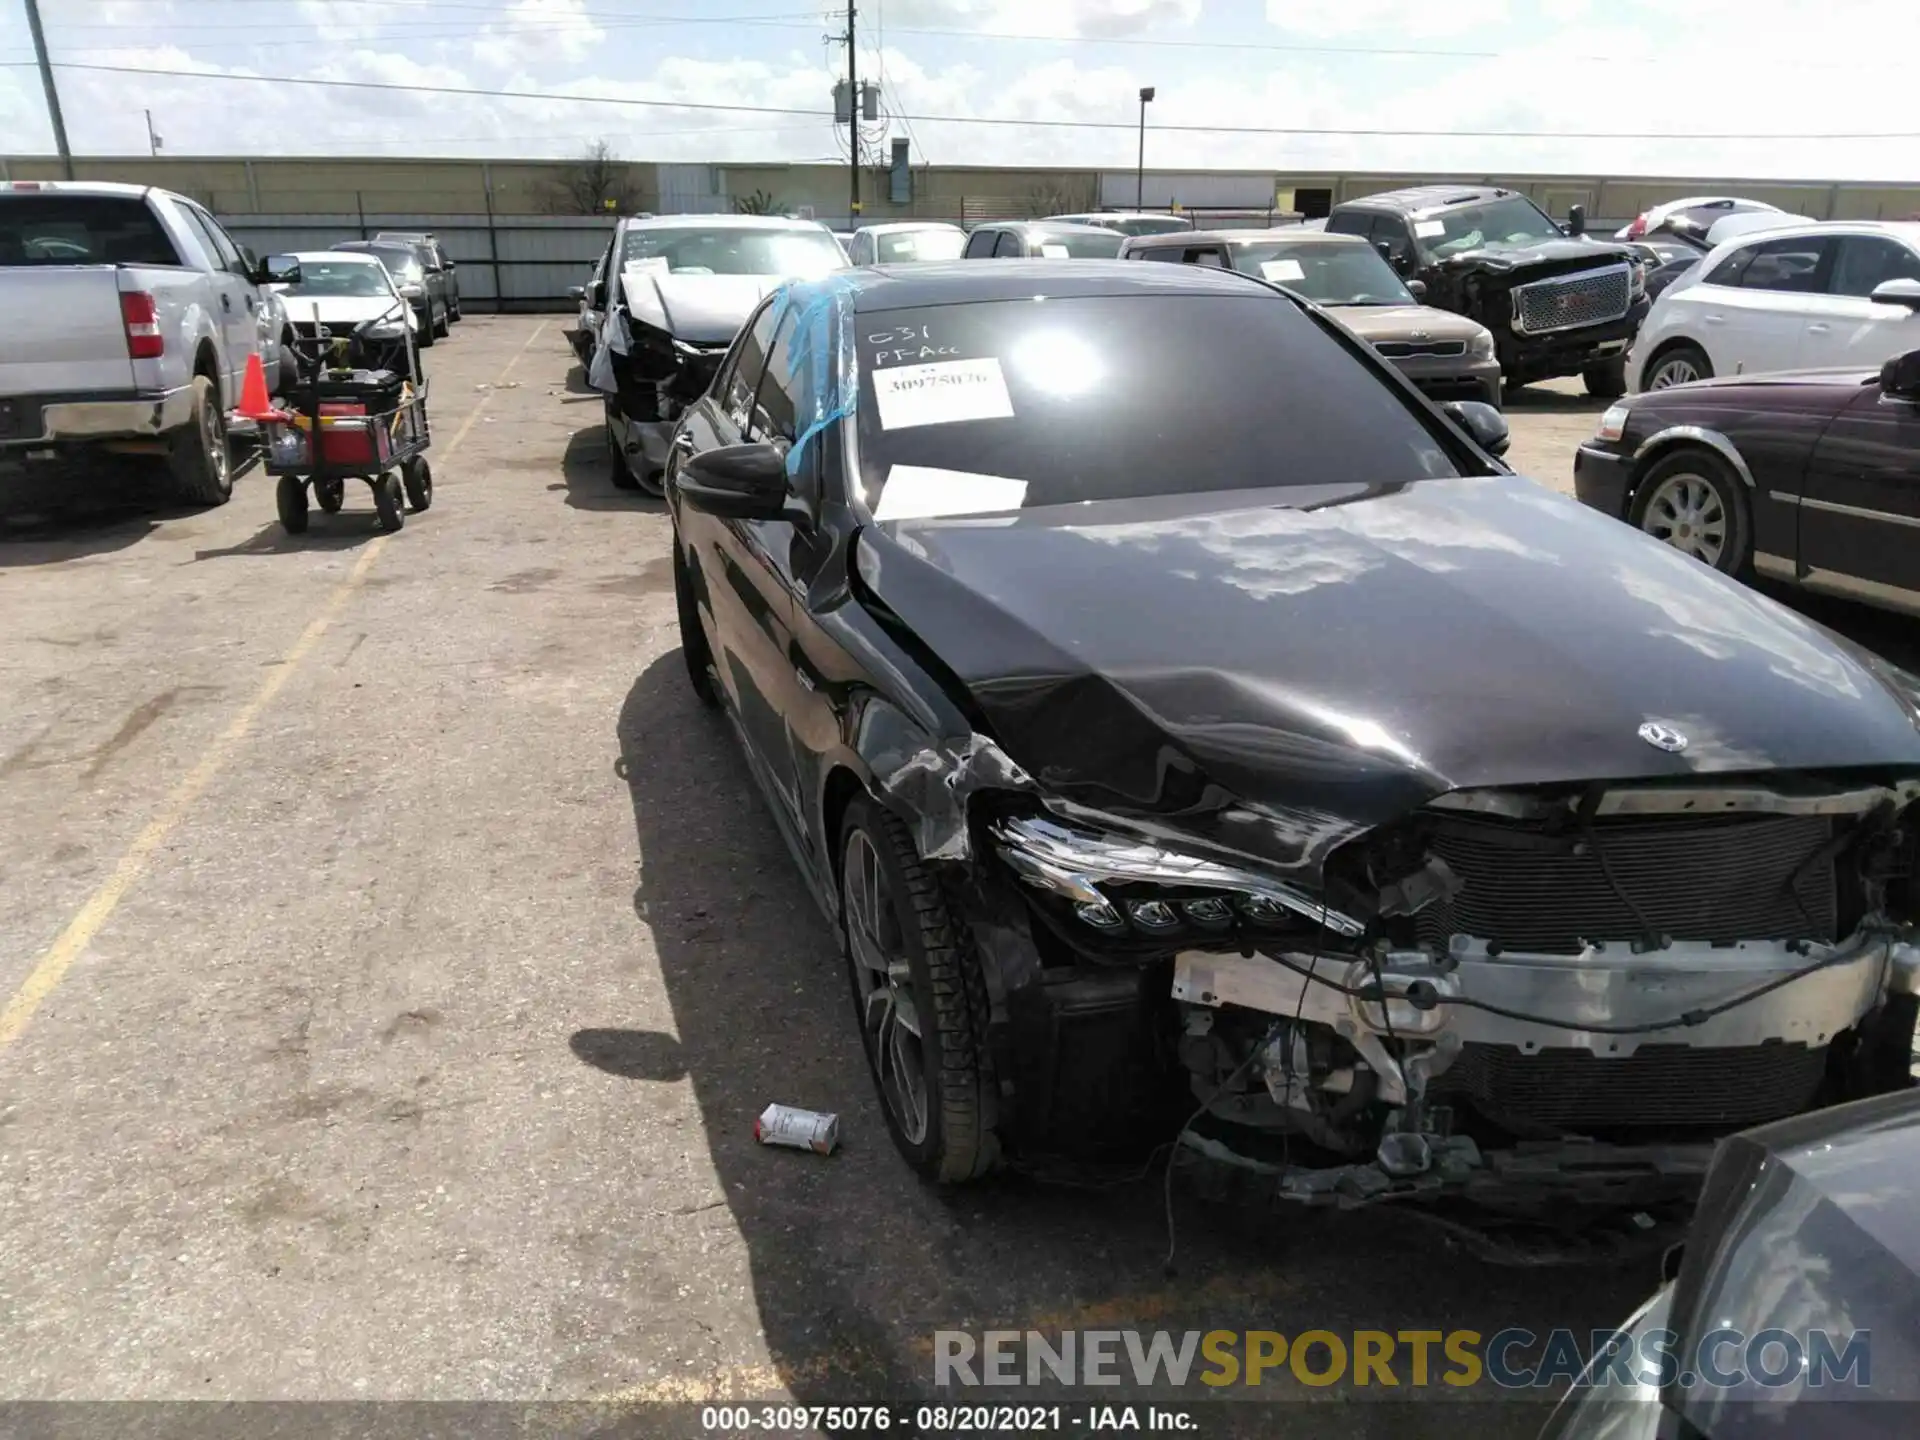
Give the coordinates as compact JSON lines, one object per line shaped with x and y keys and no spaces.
{"x":1539,"y":400}
{"x":586,"y":475}
{"x":93,"y":508}
{"x":855,"y":1264}
{"x":577,"y":381}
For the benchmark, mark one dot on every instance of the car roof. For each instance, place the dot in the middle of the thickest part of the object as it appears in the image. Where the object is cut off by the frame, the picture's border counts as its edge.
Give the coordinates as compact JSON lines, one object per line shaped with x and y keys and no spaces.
{"x":1120,"y":215}
{"x":365,"y":245}
{"x":1046,"y":227}
{"x":82,"y":187}
{"x":1906,"y":230}
{"x":892,"y":227}
{"x":968,"y":282}
{"x":352,"y":257}
{"x":724,"y":222}
{"x":1175,"y":239}
{"x":1420,"y":197}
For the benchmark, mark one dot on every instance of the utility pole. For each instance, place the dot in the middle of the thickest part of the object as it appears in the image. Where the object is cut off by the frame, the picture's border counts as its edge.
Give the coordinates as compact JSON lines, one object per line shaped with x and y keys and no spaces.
{"x":153,"y":140}
{"x":53,"y":94}
{"x":853,"y":119}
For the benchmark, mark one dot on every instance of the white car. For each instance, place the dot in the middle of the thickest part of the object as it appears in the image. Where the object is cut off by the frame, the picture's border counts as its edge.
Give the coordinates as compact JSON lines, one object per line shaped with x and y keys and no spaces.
{"x":342,"y":290}
{"x":1808,"y":297}
{"x":900,"y":240}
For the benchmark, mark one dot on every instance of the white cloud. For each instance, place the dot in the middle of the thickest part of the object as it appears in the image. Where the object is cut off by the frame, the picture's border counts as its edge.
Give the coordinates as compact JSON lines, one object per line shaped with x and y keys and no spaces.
{"x":533,"y":30}
{"x":1101,"y":19}
{"x":1327,"y":19}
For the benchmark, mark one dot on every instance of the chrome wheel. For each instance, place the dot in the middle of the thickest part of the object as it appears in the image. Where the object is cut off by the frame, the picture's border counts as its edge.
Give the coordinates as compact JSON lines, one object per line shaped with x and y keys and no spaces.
{"x":889,"y":1013}
{"x":1686,"y":511}
{"x":1676,"y":370}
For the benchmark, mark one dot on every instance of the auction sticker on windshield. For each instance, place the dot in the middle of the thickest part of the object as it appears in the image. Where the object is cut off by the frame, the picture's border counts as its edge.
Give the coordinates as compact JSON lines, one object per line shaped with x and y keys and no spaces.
{"x":1428,"y":229}
{"x":938,"y":394}
{"x":925,"y":492}
{"x":1282,"y":270}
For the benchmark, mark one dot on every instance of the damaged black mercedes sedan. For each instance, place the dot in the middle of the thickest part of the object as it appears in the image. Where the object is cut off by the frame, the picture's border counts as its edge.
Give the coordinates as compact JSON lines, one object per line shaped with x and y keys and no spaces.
{"x":1179,"y":716}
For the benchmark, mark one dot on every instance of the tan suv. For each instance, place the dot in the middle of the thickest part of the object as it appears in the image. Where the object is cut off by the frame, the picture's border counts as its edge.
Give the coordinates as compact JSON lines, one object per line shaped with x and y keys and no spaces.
{"x":1448,"y":356}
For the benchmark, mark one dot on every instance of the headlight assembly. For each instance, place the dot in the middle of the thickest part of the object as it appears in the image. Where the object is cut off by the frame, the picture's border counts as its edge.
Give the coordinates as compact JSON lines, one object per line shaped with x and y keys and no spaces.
{"x":1103,"y":877}
{"x":1481,"y":346}
{"x":1613,"y":424}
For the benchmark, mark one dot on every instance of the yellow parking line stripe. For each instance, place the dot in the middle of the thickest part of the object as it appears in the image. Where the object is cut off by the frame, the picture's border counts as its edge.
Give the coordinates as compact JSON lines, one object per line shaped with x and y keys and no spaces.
{"x":51,"y":968}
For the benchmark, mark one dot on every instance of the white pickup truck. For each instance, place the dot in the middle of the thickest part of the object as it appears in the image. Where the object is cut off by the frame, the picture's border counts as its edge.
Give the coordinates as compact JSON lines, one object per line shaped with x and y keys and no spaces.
{"x":130,"y":317}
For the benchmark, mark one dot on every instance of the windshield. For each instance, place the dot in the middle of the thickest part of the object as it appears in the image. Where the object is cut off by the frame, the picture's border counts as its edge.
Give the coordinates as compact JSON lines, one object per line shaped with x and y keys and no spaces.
{"x":920,"y":245}
{"x":401,"y":264}
{"x":1108,"y":397}
{"x":1079,"y":245}
{"x":1456,"y":228}
{"x":1328,"y":274}
{"x":796,"y":254}
{"x":339,"y":278}
{"x":81,"y":230}
{"x":1148,"y":225}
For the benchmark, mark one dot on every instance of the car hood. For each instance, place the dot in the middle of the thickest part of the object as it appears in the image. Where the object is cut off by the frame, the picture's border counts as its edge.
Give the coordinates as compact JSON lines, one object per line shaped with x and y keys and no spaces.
{"x":1504,"y":256}
{"x":1405,"y":322}
{"x":341,"y":309}
{"x":700,"y":309}
{"x":1353,"y":652}
{"x":1846,"y":377}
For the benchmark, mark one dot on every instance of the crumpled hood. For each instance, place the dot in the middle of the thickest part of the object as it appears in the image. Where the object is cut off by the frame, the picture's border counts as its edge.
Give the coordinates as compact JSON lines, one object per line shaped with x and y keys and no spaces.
{"x":700,"y":309}
{"x":1375,"y":323}
{"x":1204,"y":659}
{"x":1500,"y":255}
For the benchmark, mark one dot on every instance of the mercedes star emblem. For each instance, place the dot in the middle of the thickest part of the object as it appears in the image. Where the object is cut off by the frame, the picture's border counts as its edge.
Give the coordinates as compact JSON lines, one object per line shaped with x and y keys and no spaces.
{"x":1663,"y":737}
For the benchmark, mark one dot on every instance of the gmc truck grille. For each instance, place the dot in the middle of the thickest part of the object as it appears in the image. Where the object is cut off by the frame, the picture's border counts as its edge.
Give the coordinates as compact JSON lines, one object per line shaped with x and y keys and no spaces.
{"x":1669,"y":1087}
{"x":1717,"y":880}
{"x":1401,"y":349}
{"x":1566,"y":302}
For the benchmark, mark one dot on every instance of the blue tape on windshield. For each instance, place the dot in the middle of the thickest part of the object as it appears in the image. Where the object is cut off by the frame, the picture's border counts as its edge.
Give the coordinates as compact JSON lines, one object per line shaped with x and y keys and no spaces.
{"x":822,"y":364}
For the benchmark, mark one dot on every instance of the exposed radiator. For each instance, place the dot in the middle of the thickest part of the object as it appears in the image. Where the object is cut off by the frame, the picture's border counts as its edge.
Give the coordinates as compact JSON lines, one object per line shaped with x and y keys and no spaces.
{"x":1664,"y":1087}
{"x":1716,"y":879}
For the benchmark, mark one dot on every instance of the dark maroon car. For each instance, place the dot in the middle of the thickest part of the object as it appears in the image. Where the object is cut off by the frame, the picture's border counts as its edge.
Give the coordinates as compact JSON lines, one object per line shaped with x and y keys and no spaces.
{"x":1810,"y":477}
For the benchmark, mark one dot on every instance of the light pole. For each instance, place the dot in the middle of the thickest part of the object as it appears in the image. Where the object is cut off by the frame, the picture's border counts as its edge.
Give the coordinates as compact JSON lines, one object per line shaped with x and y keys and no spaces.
{"x":1140,"y":172}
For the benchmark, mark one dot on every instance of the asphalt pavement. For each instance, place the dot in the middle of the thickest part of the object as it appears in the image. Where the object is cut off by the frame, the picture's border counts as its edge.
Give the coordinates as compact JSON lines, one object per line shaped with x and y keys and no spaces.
{"x":395,"y":957}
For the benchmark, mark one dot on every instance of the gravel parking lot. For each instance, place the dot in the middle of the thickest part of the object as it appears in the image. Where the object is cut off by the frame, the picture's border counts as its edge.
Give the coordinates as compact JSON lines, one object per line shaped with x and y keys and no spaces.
{"x":395,"y":957}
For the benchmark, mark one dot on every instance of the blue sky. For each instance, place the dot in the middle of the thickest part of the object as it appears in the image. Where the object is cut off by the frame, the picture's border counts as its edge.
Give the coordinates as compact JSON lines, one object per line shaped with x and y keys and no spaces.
{"x":1688,"y":70}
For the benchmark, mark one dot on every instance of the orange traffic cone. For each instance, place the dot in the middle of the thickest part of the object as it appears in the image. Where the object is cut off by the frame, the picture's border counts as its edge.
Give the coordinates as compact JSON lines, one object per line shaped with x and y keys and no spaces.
{"x":255,"y":403}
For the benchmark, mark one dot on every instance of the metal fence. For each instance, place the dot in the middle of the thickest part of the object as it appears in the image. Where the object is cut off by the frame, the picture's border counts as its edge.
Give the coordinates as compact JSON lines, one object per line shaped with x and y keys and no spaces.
{"x":507,"y":262}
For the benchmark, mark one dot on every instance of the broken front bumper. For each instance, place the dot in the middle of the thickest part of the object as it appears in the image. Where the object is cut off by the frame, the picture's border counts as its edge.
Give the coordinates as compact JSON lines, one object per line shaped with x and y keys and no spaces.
{"x":1565,"y":1033}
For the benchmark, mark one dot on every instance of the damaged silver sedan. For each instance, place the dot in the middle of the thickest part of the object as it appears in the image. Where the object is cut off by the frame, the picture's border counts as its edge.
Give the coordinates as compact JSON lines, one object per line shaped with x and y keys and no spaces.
{"x":1197,"y":736}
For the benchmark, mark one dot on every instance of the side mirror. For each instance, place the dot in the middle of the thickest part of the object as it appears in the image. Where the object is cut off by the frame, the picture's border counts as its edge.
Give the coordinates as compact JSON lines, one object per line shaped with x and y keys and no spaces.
{"x":737,"y":482}
{"x":576,"y":293}
{"x":1897,"y":292}
{"x":278,"y":270}
{"x":1900,"y":376}
{"x":1385,"y":247}
{"x":1577,"y":220}
{"x":597,"y":295}
{"x":1486,"y":425}
{"x":1417,"y":289}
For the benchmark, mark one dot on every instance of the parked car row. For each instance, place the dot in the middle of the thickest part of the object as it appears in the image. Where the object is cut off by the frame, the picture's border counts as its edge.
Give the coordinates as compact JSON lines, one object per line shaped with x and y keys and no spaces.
{"x":132,"y":317}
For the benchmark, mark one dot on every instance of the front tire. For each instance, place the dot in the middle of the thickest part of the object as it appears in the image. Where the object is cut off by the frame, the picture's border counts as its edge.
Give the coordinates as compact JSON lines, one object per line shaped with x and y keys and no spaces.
{"x":445,"y":322}
{"x":424,"y":336}
{"x":919,"y":998}
{"x":290,"y":499}
{"x":1691,"y":499}
{"x":197,"y":455}
{"x":1606,"y":379}
{"x":1681,"y":365}
{"x":694,"y":650}
{"x":619,"y":469}
{"x":388,"y":503}
{"x":417,"y":476}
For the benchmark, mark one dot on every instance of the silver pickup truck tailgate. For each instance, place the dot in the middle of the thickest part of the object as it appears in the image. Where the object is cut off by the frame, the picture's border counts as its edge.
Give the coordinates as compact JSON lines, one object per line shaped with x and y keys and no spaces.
{"x":63,"y":331}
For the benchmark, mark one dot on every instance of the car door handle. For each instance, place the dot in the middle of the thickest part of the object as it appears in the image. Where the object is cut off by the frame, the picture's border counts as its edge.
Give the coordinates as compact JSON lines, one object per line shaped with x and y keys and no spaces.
{"x":1715,"y":319}
{"x":806,"y":680}
{"x":1818,"y":327}
{"x":249,"y":303}
{"x":683,"y":442}
{"x":226,"y":302}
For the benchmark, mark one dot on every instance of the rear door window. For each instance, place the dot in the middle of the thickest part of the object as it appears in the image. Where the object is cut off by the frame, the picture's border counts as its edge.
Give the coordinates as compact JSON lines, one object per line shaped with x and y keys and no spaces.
{"x":1792,"y":266}
{"x":979,"y":244}
{"x":1009,"y":243}
{"x":54,"y":229}
{"x":1350,"y":222}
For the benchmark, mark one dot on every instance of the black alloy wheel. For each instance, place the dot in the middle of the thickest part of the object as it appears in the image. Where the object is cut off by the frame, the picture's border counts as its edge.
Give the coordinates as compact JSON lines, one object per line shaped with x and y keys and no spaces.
{"x":920,"y":1000}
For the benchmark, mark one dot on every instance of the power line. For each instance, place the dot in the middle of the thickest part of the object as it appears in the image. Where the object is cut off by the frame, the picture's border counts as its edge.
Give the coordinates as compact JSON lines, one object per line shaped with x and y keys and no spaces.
{"x":551,"y":97}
